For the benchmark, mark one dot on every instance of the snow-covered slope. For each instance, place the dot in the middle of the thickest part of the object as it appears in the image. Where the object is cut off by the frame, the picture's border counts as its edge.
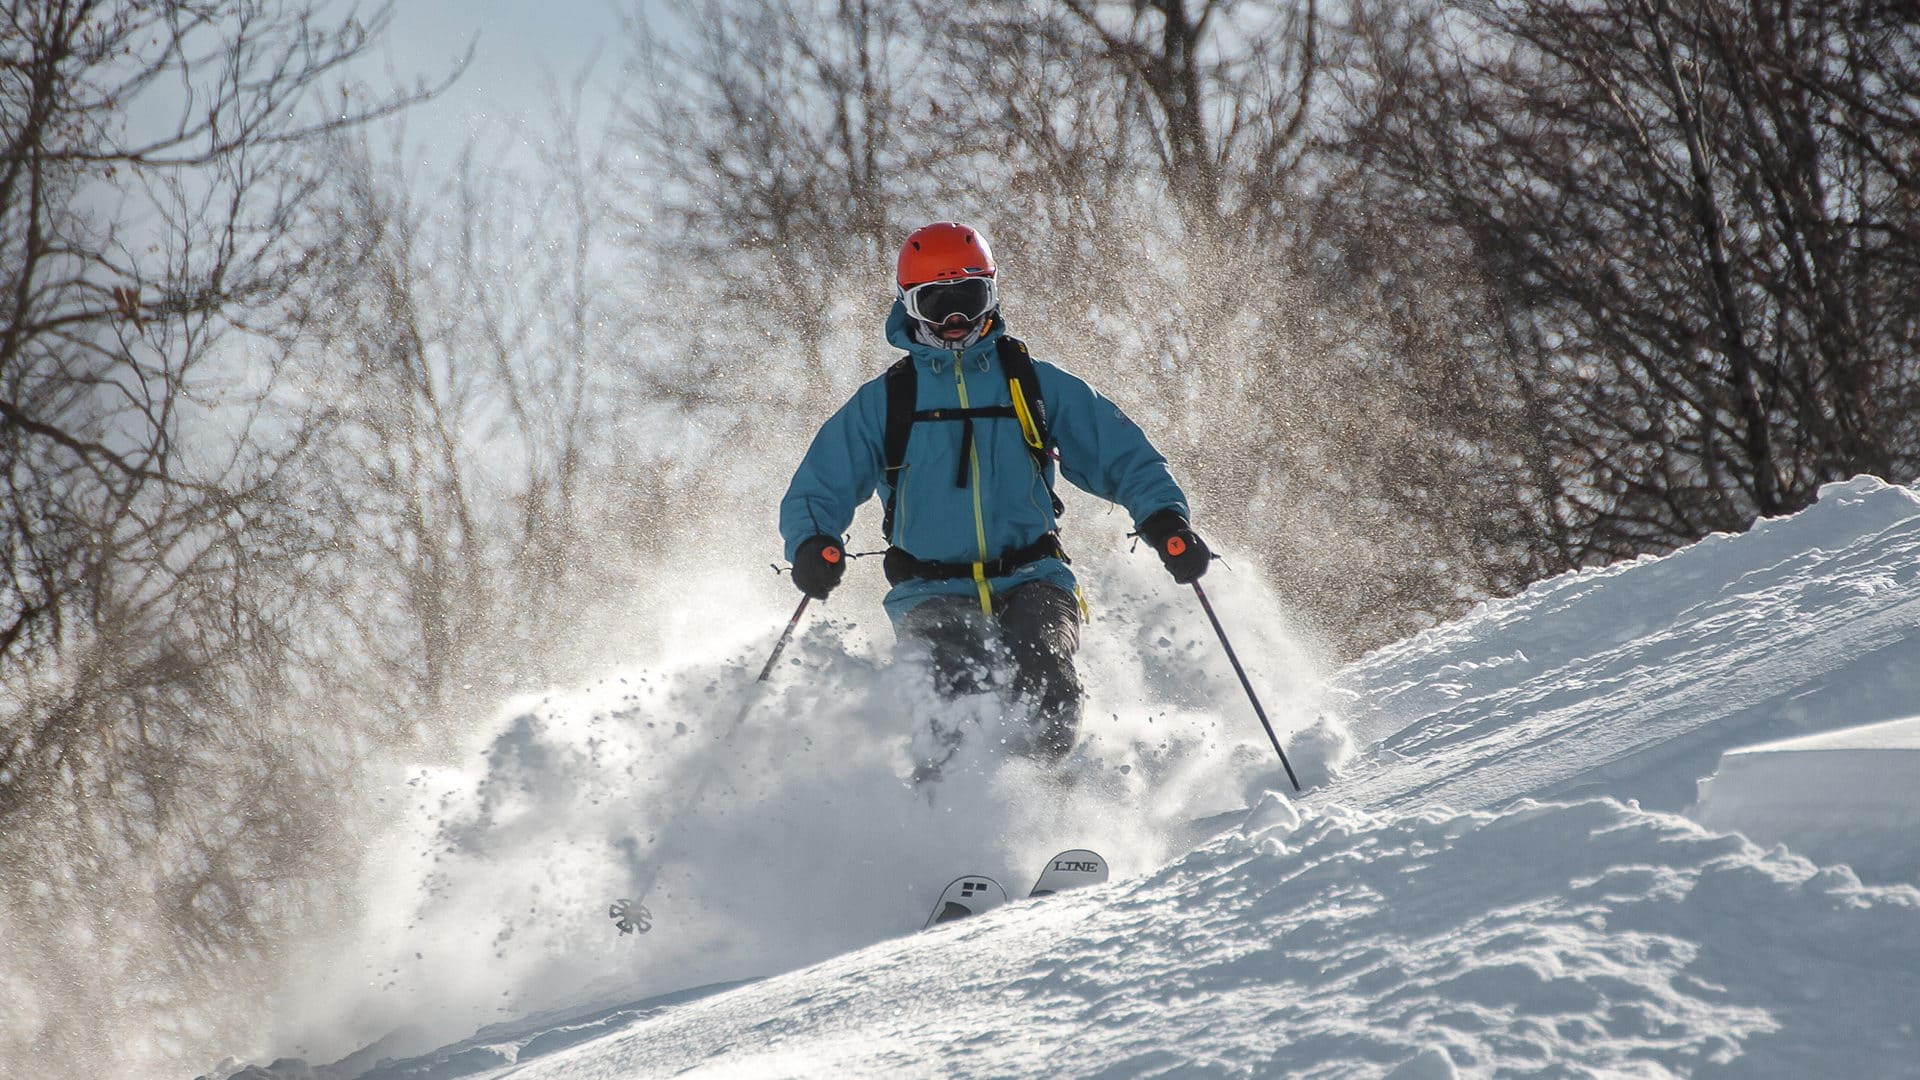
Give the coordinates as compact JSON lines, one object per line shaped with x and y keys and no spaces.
{"x":1629,"y":681}
{"x":1500,"y":882}
{"x":1587,"y":938}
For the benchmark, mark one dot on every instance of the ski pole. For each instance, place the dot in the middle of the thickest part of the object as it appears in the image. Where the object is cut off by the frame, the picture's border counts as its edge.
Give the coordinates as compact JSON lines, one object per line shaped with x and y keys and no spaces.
{"x":631,"y":915}
{"x":1245,"y":683}
{"x":766,"y":671}
{"x":786,"y":636}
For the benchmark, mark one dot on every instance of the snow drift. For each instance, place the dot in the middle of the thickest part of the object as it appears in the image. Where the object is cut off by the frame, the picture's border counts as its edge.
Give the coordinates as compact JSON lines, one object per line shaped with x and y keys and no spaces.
{"x":1501,"y":881}
{"x":1850,"y":796}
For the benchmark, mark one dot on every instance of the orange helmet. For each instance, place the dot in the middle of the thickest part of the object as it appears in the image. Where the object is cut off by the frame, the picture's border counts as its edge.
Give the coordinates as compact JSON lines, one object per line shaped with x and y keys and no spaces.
{"x":943,"y":251}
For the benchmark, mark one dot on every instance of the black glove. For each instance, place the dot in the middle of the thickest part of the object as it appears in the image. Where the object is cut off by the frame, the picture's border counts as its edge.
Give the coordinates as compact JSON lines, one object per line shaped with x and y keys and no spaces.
{"x":818,"y":565}
{"x":1185,"y":554}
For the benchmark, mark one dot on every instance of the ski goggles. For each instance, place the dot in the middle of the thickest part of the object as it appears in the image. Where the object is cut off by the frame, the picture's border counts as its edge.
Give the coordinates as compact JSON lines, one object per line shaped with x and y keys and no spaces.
{"x":938,"y":301}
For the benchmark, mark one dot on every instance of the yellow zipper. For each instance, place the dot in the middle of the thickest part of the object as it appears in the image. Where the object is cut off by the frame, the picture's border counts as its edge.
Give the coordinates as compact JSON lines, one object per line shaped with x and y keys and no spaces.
{"x":979,"y":515}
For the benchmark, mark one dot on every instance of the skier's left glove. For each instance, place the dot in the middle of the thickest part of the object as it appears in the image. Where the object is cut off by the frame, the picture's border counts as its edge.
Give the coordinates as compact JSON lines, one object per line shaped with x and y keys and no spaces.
{"x":1186,"y":555}
{"x":818,"y":565}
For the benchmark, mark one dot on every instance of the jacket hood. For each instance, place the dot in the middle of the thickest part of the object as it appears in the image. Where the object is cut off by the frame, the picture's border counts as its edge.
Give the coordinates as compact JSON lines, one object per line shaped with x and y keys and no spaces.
{"x":900,"y":336}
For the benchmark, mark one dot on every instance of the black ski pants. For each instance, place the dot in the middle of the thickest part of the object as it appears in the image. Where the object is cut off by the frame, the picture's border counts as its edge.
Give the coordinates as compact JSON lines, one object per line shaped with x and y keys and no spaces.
{"x":1034,"y":632}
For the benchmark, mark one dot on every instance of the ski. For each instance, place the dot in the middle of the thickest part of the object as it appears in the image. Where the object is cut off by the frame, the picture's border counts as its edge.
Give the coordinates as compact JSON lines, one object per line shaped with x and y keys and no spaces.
{"x":969,"y":895}
{"x":1070,"y":870}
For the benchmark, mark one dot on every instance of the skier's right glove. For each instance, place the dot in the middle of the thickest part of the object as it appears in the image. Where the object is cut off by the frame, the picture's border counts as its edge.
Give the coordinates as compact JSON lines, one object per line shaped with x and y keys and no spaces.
{"x":1186,"y":555}
{"x":818,"y":565}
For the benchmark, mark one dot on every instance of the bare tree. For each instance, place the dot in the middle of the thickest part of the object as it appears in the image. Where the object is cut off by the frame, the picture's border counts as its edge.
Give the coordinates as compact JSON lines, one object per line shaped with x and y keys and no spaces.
{"x":1695,"y":248}
{"x":486,"y":470}
{"x":1220,"y":93}
{"x":775,"y":154}
{"x":152,"y":190}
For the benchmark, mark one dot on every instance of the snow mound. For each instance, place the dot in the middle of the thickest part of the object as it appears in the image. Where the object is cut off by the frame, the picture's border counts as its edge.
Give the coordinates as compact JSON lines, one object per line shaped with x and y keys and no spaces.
{"x":1850,"y":796}
{"x":1631,"y":680}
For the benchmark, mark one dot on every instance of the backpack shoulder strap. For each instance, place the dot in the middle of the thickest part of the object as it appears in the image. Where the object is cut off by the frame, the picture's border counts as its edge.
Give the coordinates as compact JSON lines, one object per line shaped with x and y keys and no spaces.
{"x":903,"y":393}
{"x":1023,"y":384}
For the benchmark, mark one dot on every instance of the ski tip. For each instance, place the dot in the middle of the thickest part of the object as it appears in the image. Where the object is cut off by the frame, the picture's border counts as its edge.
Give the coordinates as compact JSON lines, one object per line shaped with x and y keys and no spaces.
{"x":969,"y":894}
{"x":1071,"y":869}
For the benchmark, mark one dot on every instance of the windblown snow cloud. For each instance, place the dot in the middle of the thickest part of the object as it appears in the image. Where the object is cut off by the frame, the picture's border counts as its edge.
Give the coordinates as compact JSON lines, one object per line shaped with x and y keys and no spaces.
{"x":768,"y":828}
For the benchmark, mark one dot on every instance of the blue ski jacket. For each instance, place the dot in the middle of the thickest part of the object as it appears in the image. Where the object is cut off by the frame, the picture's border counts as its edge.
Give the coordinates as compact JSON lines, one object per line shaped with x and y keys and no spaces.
{"x":1006,"y":503}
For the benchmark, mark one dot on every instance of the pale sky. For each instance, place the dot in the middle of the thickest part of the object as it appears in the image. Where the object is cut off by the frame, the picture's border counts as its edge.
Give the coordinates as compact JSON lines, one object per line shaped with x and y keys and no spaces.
{"x":520,"y":47}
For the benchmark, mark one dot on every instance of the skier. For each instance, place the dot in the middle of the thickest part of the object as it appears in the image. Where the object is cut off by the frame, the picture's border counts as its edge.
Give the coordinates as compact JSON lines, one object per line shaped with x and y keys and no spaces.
{"x":962,"y":439}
